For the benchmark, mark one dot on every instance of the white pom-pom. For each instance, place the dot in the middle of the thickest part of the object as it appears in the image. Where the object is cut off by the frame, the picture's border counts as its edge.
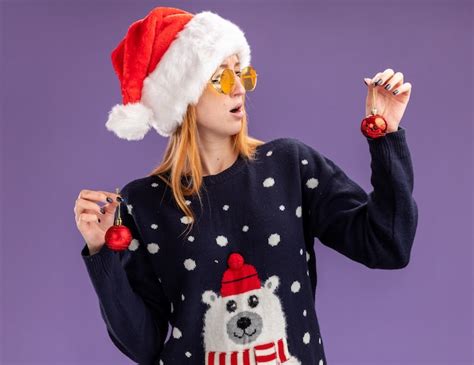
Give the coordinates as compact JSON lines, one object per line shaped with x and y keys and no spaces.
{"x":131,"y":121}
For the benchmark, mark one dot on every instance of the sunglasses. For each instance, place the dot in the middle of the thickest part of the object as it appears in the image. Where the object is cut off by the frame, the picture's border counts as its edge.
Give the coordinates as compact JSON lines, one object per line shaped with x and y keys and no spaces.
{"x":225,"y":81}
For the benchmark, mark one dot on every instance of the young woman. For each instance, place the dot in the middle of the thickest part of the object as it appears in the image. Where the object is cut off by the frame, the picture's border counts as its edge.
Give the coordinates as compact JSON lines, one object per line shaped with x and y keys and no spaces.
{"x":223,"y":230}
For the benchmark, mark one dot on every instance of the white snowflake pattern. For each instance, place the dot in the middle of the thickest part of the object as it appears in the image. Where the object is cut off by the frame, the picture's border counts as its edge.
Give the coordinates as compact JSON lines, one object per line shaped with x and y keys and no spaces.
{"x":189,"y":264}
{"x":245,"y":228}
{"x":176,"y":332}
{"x":155,"y":184}
{"x":306,"y":338}
{"x":188,"y":354}
{"x":282,"y":207}
{"x":295,"y":287}
{"x":304,"y":162}
{"x":274,"y":239}
{"x":298,"y":211}
{"x":186,"y":219}
{"x":191,"y":238}
{"x":153,"y":247}
{"x":312,"y":183}
{"x":268,"y":182}
{"x":269,"y":153}
{"x":225,"y":207}
{"x":222,"y":241}
{"x":133,"y":246}
{"x":154,"y":226}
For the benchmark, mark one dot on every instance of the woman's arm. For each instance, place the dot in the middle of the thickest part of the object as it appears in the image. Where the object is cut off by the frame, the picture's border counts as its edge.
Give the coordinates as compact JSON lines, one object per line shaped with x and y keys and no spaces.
{"x":132,"y":302}
{"x":375,"y":229}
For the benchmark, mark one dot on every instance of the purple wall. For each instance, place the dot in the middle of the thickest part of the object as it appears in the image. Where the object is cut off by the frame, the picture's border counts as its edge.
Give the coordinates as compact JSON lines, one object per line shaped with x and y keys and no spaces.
{"x":58,"y":85}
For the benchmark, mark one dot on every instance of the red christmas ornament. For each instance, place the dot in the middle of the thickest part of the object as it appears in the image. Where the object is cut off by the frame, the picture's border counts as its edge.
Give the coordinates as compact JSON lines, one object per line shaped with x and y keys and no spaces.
{"x":118,"y":236}
{"x":374,"y":125}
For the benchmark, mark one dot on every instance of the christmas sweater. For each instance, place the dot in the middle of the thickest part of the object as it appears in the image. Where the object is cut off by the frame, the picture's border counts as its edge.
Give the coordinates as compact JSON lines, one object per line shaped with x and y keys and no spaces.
{"x":240,"y":287}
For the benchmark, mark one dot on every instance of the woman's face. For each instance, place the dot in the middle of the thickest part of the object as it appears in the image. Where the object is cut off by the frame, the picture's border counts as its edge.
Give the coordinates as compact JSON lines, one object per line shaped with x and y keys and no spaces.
{"x":213,"y":108}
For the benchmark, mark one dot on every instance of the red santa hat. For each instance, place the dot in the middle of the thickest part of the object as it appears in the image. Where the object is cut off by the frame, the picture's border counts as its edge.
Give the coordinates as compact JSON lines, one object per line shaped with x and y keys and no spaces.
{"x":239,"y":277}
{"x":164,"y":63}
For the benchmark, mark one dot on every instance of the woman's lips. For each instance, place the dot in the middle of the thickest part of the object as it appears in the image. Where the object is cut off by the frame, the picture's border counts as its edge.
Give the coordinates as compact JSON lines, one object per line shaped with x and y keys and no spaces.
{"x":238,"y":114}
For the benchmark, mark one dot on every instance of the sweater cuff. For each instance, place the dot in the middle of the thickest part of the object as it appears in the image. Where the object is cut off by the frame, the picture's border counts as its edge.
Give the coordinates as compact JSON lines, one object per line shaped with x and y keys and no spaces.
{"x":393,"y":142}
{"x":100,"y":264}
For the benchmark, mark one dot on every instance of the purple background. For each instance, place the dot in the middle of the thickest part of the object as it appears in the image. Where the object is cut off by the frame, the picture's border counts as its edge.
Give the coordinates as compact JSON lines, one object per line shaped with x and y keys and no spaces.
{"x":58,"y":85}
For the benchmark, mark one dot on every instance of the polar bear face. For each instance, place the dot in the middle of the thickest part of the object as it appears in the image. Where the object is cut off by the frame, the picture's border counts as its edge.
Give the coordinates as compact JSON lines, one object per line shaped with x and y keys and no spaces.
{"x":232,"y":322}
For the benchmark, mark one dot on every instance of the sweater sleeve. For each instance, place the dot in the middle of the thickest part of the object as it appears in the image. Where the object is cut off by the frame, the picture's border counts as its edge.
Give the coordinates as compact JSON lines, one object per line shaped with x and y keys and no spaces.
{"x":375,"y":229}
{"x":132,"y":302}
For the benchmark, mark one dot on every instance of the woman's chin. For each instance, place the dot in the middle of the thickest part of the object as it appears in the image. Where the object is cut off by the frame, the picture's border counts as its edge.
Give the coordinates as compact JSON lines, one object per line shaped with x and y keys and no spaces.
{"x":233,"y":127}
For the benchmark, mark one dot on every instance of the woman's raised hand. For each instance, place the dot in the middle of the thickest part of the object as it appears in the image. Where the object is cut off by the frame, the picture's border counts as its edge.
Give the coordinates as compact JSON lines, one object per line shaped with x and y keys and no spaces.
{"x":393,"y":94}
{"x":92,"y":220}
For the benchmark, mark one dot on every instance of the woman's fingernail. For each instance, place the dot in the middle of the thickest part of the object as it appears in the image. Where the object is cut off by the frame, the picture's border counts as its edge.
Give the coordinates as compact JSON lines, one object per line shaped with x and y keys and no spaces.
{"x":388,"y":86}
{"x":109,"y":199}
{"x":395,"y":92}
{"x":98,"y":219}
{"x":378,"y":82}
{"x":102,"y":210}
{"x":119,"y":199}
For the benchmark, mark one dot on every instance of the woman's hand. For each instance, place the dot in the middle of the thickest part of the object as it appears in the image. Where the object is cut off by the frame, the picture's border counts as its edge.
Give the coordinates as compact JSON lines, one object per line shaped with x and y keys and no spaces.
{"x":90,"y":221}
{"x":388,"y":105}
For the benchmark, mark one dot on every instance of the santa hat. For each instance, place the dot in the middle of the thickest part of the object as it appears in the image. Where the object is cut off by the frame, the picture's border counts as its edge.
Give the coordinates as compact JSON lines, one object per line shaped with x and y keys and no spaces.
{"x":239,"y":277}
{"x":164,"y":63}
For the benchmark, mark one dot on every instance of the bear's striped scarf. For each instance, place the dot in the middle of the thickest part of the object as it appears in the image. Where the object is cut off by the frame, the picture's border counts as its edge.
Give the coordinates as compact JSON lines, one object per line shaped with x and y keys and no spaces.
{"x":271,"y":353}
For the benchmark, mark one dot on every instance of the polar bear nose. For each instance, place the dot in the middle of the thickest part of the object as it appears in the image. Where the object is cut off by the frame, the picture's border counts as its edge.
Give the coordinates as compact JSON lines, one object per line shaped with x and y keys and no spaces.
{"x":243,"y":322}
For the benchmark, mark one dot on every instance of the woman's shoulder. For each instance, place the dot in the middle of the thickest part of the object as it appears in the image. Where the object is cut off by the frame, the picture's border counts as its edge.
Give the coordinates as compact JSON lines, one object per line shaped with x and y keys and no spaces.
{"x":292,"y":145}
{"x":142,"y":186}
{"x":291,"y":151}
{"x":281,"y":141}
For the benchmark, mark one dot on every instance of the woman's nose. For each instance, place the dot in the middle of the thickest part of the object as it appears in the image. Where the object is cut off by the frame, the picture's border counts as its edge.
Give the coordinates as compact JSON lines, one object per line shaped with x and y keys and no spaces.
{"x":238,"y":88}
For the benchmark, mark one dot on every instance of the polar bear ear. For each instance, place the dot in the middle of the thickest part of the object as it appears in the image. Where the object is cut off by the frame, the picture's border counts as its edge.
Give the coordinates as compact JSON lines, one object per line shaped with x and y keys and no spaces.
{"x":209,"y":297}
{"x":272,"y":283}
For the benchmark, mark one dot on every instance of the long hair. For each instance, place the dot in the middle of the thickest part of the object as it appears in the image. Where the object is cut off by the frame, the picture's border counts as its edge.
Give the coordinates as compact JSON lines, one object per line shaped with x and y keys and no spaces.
{"x":181,"y":160}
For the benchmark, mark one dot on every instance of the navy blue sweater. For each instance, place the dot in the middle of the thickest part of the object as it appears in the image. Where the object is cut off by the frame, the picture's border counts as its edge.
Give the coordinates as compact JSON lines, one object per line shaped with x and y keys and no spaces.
{"x":240,"y":287}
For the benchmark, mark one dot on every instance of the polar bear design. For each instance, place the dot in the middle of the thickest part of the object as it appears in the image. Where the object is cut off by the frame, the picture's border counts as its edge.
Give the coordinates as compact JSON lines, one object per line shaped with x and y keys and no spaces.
{"x":246,"y":324}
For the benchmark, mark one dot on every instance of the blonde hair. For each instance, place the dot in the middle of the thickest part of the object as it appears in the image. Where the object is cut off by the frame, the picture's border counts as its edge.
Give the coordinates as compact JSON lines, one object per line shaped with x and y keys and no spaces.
{"x":181,"y":159}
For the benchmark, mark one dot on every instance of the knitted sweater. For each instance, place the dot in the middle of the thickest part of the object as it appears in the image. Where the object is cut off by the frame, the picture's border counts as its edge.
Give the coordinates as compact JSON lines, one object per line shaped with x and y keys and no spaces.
{"x":240,"y":287}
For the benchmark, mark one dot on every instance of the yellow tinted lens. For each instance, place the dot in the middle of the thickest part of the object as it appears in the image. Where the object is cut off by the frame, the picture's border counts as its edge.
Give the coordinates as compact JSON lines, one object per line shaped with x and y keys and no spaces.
{"x":227,"y":81}
{"x":249,"y":78}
